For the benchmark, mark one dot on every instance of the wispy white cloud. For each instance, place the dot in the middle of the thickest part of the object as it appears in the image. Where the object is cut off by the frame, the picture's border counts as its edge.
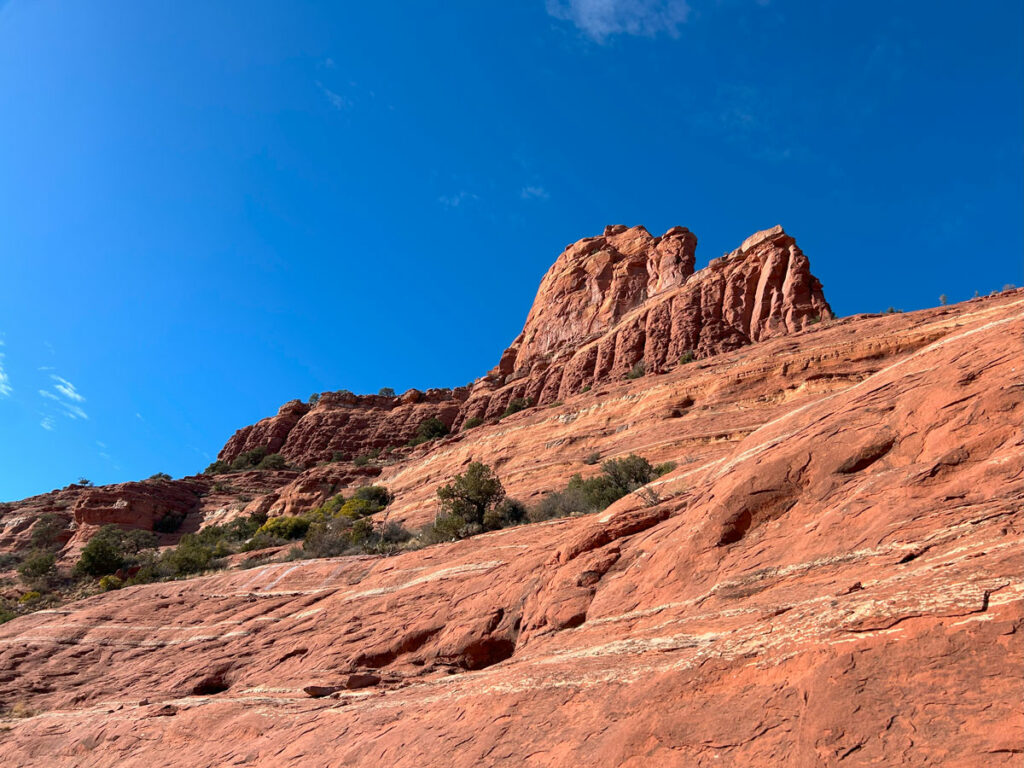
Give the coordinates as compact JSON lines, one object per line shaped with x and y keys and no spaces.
{"x":459,"y":198}
{"x":5,"y":380}
{"x":47,"y":423}
{"x":600,"y":19}
{"x":336,"y":99}
{"x":67,"y":389}
{"x":74,"y":411}
{"x":534,"y":192}
{"x":67,"y":396}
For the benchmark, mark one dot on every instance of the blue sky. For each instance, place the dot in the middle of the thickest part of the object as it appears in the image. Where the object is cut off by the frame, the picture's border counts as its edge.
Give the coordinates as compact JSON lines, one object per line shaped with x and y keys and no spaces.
{"x":209,"y":208}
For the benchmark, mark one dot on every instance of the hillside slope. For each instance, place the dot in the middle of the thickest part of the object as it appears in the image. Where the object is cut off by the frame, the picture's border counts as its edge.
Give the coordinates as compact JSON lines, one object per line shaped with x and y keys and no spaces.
{"x":831,"y":575}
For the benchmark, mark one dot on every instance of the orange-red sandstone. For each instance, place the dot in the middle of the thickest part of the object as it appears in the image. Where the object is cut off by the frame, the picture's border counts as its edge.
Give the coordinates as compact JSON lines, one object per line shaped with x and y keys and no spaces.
{"x":832,"y":576}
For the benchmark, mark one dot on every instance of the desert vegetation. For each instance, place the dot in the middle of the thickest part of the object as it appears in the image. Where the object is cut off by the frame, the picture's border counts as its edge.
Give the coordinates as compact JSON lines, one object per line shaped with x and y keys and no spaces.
{"x":469,"y":504}
{"x":429,"y":429}
{"x":517,"y":404}
{"x":257,"y":458}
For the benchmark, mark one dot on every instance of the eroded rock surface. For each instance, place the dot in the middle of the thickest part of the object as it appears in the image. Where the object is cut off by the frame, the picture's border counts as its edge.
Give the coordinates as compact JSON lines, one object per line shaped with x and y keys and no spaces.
{"x":830,"y":576}
{"x":606,"y":305}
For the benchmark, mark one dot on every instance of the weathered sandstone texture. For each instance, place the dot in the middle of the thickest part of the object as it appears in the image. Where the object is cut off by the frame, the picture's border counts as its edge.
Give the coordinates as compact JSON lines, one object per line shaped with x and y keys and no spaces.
{"x":346,"y":425}
{"x":831,"y":576}
{"x":607,"y":304}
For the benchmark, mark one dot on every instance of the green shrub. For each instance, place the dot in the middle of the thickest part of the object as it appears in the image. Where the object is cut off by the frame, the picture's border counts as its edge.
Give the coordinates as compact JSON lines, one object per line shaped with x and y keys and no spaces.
{"x":361,"y":532}
{"x":470,"y":495}
{"x":687,"y":357}
{"x":285,"y":527}
{"x":354,"y":509}
{"x":192,"y":555}
{"x":429,"y":429}
{"x":328,"y":538}
{"x":159,"y":476}
{"x":386,"y":392}
{"x":338,"y":456}
{"x":628,"y":473}
{"x":48,"y":531}
{"x":472,"y":421}
{"x":110,"y":582}
{"x":586,"y":389}
{"x":567,"y":503}
{"x":217,"y":468}
{"x":341,"y":535}
{"x":329,"y":508}
{"x":366,"y":501}
{"x":203,"y":550}
{"x":362,"y":460}
{"x":506,"y":513}
{"x":273,"y":461}
{"x":664,"y":468}
{"x":30,"y":597}
{"x":9,"y":560}
{"x":377,"y":495}
{"x":596,"y":493}
{"x":314,"y":398}
{"x":517,"y":404}
{"x":582,"y":496}
{"x":248,"y":459}
{"x":448,"y":528}
{"x":592,"y":458}
{"x":637,"y":371}
{"x":38,"y":568}
{"x":111,"y":549}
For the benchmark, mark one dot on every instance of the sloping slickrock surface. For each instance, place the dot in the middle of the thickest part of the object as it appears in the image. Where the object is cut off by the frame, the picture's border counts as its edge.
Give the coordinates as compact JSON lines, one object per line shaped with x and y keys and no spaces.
{"x":840,"y":585}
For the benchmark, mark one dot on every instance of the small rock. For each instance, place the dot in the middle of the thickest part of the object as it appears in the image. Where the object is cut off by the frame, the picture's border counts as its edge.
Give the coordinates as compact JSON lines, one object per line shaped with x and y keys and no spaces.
{"x":361,"y":680}
{"x":319,"y":691}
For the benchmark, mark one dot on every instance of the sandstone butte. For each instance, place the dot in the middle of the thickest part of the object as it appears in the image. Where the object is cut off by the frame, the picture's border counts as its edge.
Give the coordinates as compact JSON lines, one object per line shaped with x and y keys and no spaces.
{"x":831,"y":575}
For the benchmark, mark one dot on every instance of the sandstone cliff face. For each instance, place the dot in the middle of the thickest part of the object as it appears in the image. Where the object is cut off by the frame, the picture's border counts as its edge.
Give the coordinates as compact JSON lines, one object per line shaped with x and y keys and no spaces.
{"x":831,"y":576}
{"x":607,"y":304}
{"x":627,"y":298}
{"x":345,"y":424}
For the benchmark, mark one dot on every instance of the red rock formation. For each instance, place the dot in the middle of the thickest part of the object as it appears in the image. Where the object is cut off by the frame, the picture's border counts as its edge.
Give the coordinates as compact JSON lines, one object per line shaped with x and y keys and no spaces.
{"x":345,"y":425}
{"x":834,"y":578}
{"x":627,"y":298}
{"x":85,"y":509}
{"x":607,"y":304}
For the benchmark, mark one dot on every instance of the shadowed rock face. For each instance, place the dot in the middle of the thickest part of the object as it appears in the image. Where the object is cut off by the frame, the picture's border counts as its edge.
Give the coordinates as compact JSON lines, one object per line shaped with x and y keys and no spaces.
{"x":831,"y":576}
